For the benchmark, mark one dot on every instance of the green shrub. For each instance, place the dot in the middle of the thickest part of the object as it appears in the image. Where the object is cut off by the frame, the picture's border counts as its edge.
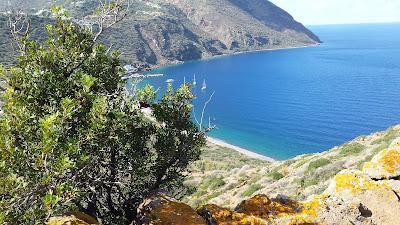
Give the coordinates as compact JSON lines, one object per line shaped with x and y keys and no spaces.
{"x":212,"y":183}
{"x":209,"y":197}
{"x":300,"y":163}
{"x":389,"y":136}
{"x":320,"y":177}
{"x":351,"y":149}
{"x":317,"y":164}
{"x":254,"y":178}
{"x":309,"y":182}
{"x":70,"y":139}
{"x":275,"y":175}
{"x":251,"y":189}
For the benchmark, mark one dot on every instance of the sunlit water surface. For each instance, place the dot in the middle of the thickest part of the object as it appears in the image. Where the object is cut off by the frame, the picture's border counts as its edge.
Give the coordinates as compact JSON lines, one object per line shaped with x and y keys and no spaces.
{"x":289,"y":102}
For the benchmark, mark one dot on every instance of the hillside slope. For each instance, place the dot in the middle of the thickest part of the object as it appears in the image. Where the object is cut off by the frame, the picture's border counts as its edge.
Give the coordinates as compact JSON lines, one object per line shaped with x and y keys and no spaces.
{"x":226,"y":177}
{"x":365,"y":192}
{"x":160,"y":32}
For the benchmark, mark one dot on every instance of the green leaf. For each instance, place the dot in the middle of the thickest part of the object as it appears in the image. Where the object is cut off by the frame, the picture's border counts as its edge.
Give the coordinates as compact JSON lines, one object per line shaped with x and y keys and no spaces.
{"x":2,"y":217}
{"x":147,"y":94}
{"x":55,"y":10}
{"x":87,"y":82}
{"x":50,"y":199}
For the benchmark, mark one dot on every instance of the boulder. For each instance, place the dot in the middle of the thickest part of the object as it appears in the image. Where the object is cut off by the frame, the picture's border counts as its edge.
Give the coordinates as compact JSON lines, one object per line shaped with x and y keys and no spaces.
{"x":393,"y":184}
{"x":76,"y":218}
{"x":215,"y":215}
{"x":263,"y":207}
{"x":384,"y":165}
{"x":334,"y":210}
{"x":259,"y":210}
{"x":162,"y":210}
{"x":376,"y":201}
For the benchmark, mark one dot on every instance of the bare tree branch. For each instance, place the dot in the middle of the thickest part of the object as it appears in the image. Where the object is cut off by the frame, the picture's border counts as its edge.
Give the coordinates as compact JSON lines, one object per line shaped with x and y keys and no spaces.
{"x":204,"y":109}
{"x":200,"y":123}
{"x":195,"y":117}
{"x":19,"y":26}
{"x":109,"y":14}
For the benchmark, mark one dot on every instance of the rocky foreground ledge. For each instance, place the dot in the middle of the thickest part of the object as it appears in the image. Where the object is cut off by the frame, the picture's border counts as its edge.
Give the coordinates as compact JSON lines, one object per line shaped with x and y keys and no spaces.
{"x":367,"y":196}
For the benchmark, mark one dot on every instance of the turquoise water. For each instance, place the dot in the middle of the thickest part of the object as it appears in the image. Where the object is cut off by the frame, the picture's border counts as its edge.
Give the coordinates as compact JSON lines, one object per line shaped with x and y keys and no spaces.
{"x":289,"y":102}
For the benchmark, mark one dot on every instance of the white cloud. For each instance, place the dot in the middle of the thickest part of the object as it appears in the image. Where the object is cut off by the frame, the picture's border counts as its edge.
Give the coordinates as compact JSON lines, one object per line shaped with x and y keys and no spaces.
{"x":342,"y":11}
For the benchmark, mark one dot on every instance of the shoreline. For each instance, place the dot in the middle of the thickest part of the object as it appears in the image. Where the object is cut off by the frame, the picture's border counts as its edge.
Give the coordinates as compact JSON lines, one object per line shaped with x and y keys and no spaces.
{"x":268,"y":49}
{"x":246,"y":152}
{"x":177,"y":63}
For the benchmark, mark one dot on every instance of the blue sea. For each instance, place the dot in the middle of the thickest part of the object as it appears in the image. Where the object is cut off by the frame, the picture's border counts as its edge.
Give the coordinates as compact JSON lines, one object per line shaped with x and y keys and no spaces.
{"x":289,"y":102}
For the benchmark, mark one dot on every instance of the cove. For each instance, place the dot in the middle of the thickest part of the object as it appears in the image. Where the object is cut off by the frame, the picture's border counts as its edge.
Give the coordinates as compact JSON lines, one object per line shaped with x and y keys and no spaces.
{"x":284,"y":103}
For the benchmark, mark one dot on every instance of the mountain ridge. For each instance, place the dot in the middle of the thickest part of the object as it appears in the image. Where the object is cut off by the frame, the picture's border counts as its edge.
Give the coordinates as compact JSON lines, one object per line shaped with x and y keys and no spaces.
{"x":166,"y":32}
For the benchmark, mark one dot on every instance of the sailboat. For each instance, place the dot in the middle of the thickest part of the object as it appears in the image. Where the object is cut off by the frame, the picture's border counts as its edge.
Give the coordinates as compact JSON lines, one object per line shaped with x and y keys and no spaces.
{"x":194,"y":80}
{"x":204,"y":86}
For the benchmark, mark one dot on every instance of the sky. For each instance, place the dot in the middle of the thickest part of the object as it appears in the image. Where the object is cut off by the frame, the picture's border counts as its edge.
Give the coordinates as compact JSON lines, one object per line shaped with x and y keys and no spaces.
{"x":314,"y":12}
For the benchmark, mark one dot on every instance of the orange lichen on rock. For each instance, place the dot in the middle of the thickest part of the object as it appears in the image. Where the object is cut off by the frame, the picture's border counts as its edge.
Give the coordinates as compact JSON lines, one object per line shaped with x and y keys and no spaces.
{"x":162,"y":210}
{"x":306,"y":216}
{"x":262,"y":206}
{"x":221,"y":216}
{"x":175,"y":213}
{"x":261,"y":210}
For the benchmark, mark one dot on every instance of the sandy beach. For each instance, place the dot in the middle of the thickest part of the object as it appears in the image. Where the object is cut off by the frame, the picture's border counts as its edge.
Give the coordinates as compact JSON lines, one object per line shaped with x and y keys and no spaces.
{"x":239,"y":149}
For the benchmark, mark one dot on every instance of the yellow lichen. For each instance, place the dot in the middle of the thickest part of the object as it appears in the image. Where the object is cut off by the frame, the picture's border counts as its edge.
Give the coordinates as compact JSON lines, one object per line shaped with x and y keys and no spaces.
{"x":263,"y":207}
{"x":227,"y":217}
{"x":369,"y":166}
{"x":356,"y":183}
{"x":72,"y":220}
{"x":253,"y":221}
{"x":390,"y":160}
{"x":175,"y":213}
{"x":302,"y":220}
{"x":311,"y":207}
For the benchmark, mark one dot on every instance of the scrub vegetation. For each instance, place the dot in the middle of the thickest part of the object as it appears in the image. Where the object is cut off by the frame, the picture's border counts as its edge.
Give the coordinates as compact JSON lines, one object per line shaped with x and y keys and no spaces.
{"x":72,"y":140}
{"x":297,"y":178}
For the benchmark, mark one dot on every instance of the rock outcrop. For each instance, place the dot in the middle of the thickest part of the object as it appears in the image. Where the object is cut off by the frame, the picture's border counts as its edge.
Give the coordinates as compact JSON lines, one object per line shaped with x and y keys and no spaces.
{"x":76,"y":218}
{"x":257,"y":210}
{"x":161,"y":209}
{"x":386,"y":164}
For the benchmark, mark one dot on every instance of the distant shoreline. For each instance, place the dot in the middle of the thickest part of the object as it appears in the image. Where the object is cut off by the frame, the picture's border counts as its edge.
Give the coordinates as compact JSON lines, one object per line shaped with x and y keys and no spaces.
{"x":246,"y":152}
{"x":176,"y":63}
{"x":269,"y":49}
